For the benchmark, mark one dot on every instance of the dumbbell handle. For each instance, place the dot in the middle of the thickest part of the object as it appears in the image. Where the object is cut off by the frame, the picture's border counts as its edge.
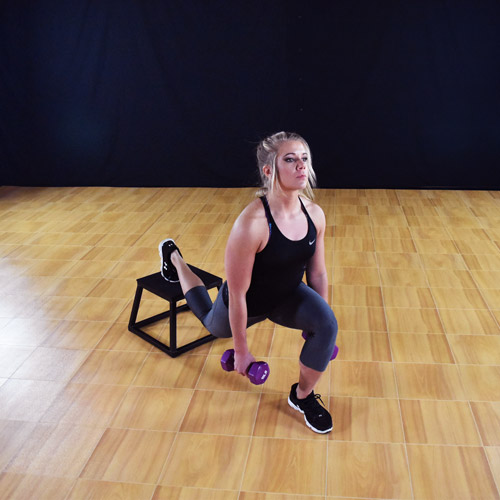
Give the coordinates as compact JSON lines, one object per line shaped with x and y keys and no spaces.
{"x":257,"y":372}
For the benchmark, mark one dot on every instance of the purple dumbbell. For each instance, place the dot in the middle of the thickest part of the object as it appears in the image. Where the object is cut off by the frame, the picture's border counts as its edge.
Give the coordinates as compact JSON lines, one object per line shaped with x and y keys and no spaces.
{"x":256,"y":372}
{"x":335,"y":349}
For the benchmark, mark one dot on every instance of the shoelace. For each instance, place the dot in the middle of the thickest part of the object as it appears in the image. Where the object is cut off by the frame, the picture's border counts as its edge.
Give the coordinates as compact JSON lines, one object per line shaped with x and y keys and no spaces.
{"x":310,"y":403}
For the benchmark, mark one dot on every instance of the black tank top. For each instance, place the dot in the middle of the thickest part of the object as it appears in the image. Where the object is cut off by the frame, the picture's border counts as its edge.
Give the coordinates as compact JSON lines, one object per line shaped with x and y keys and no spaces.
{"x":279,"y":267}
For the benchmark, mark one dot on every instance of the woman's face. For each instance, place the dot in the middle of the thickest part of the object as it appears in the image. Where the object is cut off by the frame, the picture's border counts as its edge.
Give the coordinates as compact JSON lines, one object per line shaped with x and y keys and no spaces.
{"x":292,"y":163}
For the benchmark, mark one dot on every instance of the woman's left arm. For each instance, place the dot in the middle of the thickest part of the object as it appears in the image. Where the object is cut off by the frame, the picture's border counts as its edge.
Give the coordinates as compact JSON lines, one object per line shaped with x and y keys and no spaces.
{"x":316,"y":273}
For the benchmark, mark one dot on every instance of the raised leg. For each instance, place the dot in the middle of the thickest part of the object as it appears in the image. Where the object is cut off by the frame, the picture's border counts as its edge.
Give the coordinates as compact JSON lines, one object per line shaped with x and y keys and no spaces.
{"x":187,"y":278}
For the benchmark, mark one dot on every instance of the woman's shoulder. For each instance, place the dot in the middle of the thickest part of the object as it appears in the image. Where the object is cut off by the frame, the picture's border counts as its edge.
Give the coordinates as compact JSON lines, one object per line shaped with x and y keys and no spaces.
{"x":311,"y":207}
{"x":251,"y":216}
{"x":314,"y":210}
{"x":250,"y":227}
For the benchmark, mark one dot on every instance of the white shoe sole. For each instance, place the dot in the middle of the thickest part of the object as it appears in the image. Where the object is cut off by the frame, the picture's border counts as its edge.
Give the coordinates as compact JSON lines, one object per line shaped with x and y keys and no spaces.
{"x":161,"y":255}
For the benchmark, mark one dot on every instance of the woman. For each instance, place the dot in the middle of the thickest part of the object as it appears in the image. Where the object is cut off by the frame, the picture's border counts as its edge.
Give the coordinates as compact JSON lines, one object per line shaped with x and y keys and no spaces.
{"x":274,"y":240}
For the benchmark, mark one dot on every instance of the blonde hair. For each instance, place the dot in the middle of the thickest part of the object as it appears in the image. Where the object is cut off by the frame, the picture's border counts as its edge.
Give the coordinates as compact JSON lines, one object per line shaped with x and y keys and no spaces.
{"x":267,"y":152}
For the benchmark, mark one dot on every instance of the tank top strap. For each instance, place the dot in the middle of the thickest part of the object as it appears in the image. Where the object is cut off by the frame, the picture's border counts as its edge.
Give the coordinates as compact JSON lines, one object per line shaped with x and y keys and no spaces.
{"x":306,"y":212}
{"x":269,"y":217}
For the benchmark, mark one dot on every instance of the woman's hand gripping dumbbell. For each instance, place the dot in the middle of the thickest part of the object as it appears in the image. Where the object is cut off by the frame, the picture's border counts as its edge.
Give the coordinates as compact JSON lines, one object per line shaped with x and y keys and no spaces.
{"x":257,"y":372}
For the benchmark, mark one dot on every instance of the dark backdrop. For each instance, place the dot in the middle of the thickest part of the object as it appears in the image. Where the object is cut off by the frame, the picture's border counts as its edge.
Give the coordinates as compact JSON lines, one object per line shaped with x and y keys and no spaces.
{"x":396,"y":94}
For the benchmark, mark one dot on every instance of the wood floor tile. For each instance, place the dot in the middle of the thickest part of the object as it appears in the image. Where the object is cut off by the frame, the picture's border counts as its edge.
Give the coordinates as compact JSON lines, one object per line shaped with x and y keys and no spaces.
{"x":443,"y":261}
{"x":405,"y":296}
{"x":126,"y":455}
{"x":56,"y":449}
{"x":436,"y":246}
{"x":349,"y":378}
{"x":118,"y":288}
{"x":483,"y":262}
{"x":159,"y":370}
{"x":81,"y":404}
{"x":487,"y":279}
{"x":493,"y":454}
{"x":152,"y":408}
{"x":130,"y":270}
{"x":469,"y":322}
{"x":357,"y":295}
{"x":363,"y":346}
{"x":22,"y":486}
{"x":403,"y":277}
{"x":351,"y":231}
{"x":450,"y":472}
{"x":187,"y":463}
{"x":472,"y":247}
{"x":439,"y":422}
{"x":110,"y":367}
{"x":97,"y":309}
{"x":275,"y":496}
{"x":398,"y":260}
{"x":72,"y":287}
{"x":366,"y":419}
{"x":354,"y":259}
{"x":90,"y":269}
{"x":394,"y":245}
{"x":85,"y":488}
{"x":466,"y":234}
{"x":27,"y":399}
{"x":13,"y":434}
{"x":406,"y":320}
{"x":26,"y":332}
{"x":186,"y":493}
{"x":450,"y":278}
{"x":286,"y":343}
{"x":496,"y":314}
{"x":368,"y":470}
{"x":47,"y":363}
{"x":391,"y":232}
{"x":414,"y":286}
{"x":481,"y":383}
{"x":420,"y":348}
{"x":476,"y":349}
{"x":218,"y":412}
{"x":12,"y":357}
{"x":458,"y":298}
{"x":492,"y":297}
{"x":55,"y":307}
{"x":298,"y":466}
{"x":105,"y":254}
{"x":345,"y":244}
{"x":424,"y":221}
{"x":487,"y":417}
{"x":420,"y":381}
{"x":118,"y":338}
{"x":77,"y":334}
{"x":356,"y":276}
{"x":361,"y":318}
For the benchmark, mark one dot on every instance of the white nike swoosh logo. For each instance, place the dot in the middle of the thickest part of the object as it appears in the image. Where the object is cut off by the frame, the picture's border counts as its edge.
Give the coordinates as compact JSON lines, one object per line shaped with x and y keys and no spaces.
{"x":311,"y":242}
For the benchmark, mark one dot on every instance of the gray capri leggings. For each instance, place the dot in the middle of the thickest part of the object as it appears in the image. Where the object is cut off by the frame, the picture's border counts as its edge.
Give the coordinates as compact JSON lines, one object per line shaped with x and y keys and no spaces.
{"x":303,"y":310}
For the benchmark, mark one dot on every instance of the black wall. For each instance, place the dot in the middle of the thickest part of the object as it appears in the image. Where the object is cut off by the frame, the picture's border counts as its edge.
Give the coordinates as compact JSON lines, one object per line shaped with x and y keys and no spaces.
{"x":398,"y":94}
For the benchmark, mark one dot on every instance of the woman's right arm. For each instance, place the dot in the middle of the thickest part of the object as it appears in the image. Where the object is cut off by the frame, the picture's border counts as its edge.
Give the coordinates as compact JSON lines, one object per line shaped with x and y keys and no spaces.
{"x":242,"y":245}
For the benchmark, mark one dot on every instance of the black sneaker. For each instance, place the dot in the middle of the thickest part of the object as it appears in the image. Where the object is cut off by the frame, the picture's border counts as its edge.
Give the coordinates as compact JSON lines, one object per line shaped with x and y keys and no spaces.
{"x":316,"y":416}
{"x":168,"y":270}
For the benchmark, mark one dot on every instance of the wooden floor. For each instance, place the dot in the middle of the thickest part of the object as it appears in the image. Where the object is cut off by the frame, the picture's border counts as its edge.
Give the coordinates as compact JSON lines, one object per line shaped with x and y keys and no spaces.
{"x":88,"y":410}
